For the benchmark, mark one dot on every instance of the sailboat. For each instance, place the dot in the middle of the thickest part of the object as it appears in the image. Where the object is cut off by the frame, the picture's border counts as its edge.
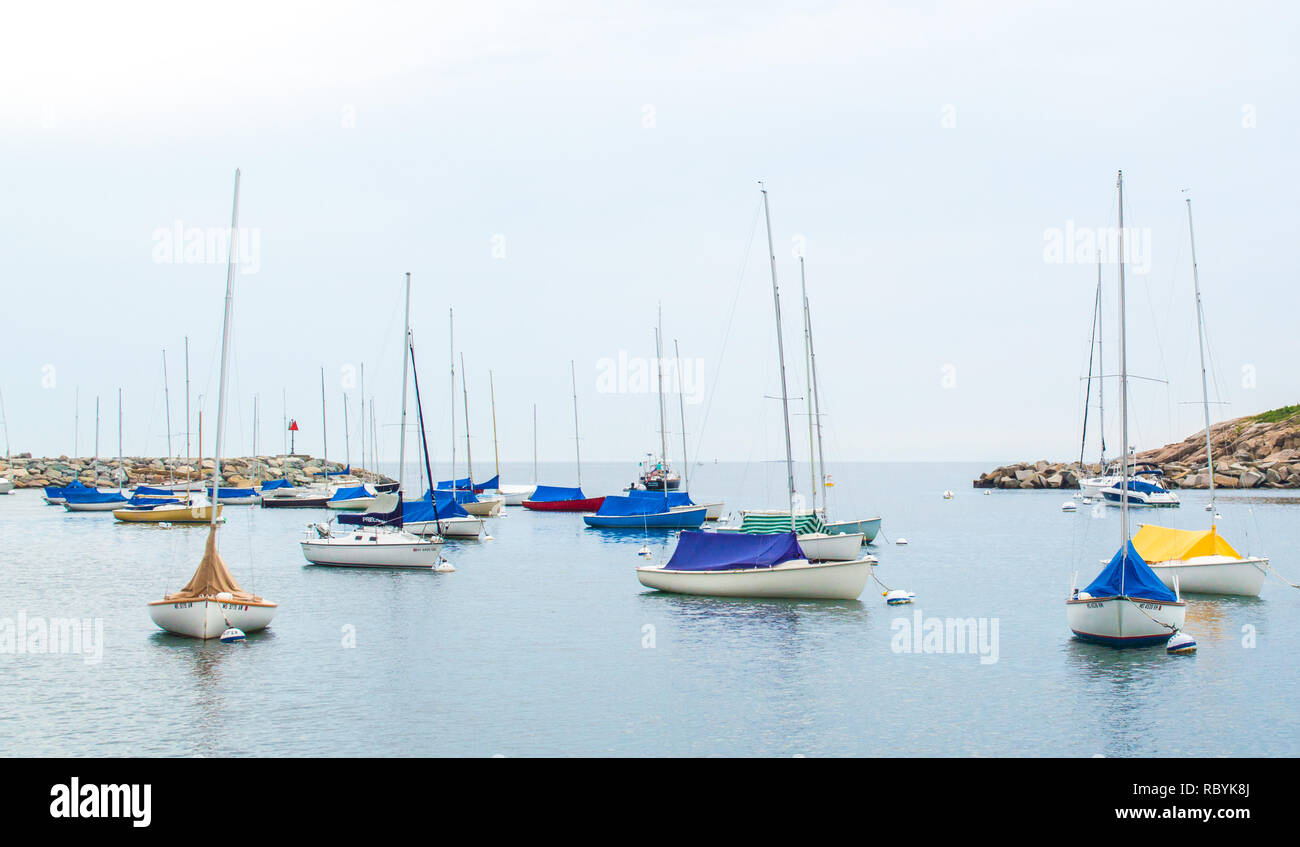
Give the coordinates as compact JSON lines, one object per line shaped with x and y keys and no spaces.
{"x":815,"y":541}
{"x":1126,"y":605}
{"x":378,"y":543}
{"x":171,"y":506}
{"x":92,"y":499}
{"x":212,"y":601}
{"x":554,"y":498}
{"x":1200,"y":561}
{"x":511,"y":495}
{"x":868,"y":528}
{"x":712,"y":510}
{"x":6,"y":484}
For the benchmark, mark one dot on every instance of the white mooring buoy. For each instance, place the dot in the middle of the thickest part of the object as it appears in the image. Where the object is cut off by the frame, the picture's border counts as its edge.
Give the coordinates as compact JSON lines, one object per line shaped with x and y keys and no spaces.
{"x":1180,"y":643}
{"x":1068,"y":506}
{"x":901,"y":541}
{"x":644,"y":552}
{"x":898,"y":597}
{"x":232,"y":635}
{"x":947,"y":495}
{"x":444,"y":566}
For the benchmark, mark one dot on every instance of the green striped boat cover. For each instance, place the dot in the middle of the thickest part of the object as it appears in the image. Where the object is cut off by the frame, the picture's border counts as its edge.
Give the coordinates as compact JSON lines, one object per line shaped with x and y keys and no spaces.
{"x":767,"y":522}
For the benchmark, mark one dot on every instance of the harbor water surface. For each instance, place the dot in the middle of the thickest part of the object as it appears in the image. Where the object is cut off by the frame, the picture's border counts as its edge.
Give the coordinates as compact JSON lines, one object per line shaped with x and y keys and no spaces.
{"x":544,"y":643}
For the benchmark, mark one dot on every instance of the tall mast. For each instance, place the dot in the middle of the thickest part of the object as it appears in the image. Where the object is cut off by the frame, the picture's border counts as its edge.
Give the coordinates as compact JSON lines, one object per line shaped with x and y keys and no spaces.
{"x":167,"y":403}
{"x":577,"y":446}
{"x":451,"y":356}
{"x":362,"y":418}
{"x":121,"y":462}
{"x":469,"y":452}
{"x":225,"y":354}
{"x":76,"y":419}
{"x":187,"y":400}
{"x":347,"y":438}
{"x":1200,"y":344}
{"x":406,"y":343}
{"x":284,"y":420}
{"x":780,"y":348}
{"x":1101,"y":369}
{"x":534,"y":444}
{"x":663,"y":421}
{"x":255,"y":462}
{"x":681,"y":404}
{"x":95,"y":461}
{"x":324,"y":434}
{"x":1123,"y":386}
{"x":807,"y":361}
{"x":5,"y":419}
{"x":817,"y":399}
{"x":1092,"y":351}
{"x":496,"y":455}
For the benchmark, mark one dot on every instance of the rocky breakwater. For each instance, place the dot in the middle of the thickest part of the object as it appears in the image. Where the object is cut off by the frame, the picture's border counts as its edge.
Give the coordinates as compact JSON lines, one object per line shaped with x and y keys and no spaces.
{"x":1257,"y":451}
{"x":236,"y":472}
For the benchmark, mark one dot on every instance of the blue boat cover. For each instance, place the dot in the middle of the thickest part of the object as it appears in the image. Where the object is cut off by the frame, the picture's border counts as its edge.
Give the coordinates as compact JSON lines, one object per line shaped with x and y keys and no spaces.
{"x":462,"y":495}
{"x":1129,"y":576}
{"x":353,"y":493}
{"x":724,"y":551}
{"x":1145,"y":487}
{"x":675,"y":498}
{"x":272,"y":484}
{"x":93,"y":495}
{"x":232,"y":492}
{"x":345,"y":472}
{"x":460,"y":484}
{"x":146,"y":491}
{"x":58,"y":490}
{"x":618,"y":506}
{"x":555,"y":494}
{"x":150,"y":502}
{"x":394,"y":518}
{"x":492,"y":484}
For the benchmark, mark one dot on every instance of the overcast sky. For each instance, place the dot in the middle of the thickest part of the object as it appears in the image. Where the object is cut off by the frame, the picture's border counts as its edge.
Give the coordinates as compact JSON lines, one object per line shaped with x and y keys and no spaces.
{"x":555,"y":171}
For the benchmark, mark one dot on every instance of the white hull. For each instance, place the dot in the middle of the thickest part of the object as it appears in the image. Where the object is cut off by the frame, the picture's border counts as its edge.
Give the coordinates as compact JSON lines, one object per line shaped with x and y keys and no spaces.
{"x":485,"y":508}
{"x":712,"y":511}
{"x":1092,"y":487}
{"x":209,"y":618}
{"x":355,"y":504}
{"x":1214,"y":575}
{"x":6,"y":485}
{"x":55,"y":501}
{"x":94,"y":507}
{"x":1125,"y":623}
{"x":371,"y":549}
{"x":797,"y":579}
{"x":251,"y":500}
{"x":447,"y":528}
{"x":515,"y":495}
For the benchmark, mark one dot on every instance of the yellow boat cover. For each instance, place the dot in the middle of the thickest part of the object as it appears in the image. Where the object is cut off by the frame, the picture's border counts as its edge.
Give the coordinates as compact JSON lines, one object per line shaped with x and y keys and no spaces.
{"x":1162,"y":544}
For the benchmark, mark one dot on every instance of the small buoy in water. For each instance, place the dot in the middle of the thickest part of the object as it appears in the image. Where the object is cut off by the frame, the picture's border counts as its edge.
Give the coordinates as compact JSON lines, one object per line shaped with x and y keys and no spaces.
{"x":1209,"y":506}
{"x":1180,"y":643}
{"x":1068,"y":506}
{"x":488,"y":538}
{"x":644,"y":552}
{"x":898,"y":597}
{"x":901,"y":541}
{"x":947,"y":495}
{"x":870,"y":559}
{"x":232,"y":635}
{"x":164,"y":524}
{"x":444,"y":567}
{"x":987,"y":493}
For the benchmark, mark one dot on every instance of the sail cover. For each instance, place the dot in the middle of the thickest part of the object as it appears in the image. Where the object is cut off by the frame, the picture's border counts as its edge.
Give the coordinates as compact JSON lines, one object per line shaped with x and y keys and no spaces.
{"x":617,"y":506}
{"x":675,"y":498}
{"x":460,"y":484}
{"x":272,"y":484}
{"x":146,"y":491}
{"x":92,"y":495}
{"x":60,"y":490}
{"x":440,"y":507}
{"x":384,"y":510}
{"x":233,"y":492}
{"x":461,"y":495}
{"x":212,"y":577}
{"x":1162,"y":544}
{"x":354,"y":493}
{"x":724,"y":551}
{"x":1128,"y":575}
{"x":556,"y":494}
{"x":491,"y":485}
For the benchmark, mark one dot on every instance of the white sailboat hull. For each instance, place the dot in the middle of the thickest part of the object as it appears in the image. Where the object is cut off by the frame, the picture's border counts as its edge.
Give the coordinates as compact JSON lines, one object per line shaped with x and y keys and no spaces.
{"x":1123,"y":622}
{"x":370,"y":549}
{"x":94,"y":507}
{"x":515,"y":495}
{"x":6,"y":485}
{"x":209,"y":618}
{"x":485,"y":508}
{"x":798,"y":579}
{"x":1214,"y":575}
{"x":448,"y":527}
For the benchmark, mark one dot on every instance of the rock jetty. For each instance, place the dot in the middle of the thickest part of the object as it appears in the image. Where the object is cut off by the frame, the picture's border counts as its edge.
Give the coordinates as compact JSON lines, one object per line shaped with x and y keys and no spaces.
{"x":240,"y":472}
{"x":1259,"y":451}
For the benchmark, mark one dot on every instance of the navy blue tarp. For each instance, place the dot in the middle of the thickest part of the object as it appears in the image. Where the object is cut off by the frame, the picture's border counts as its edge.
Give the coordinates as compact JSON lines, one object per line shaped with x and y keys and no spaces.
{"x":723,"y":551}
{"x":150,"y":502}
{"x":1145,"y":487}
{"x":675,"y":498}
{"x":1129,"y":576}
{"x":370,"y":518}
{"x":232,"y":492}
{"x":554,"y":494}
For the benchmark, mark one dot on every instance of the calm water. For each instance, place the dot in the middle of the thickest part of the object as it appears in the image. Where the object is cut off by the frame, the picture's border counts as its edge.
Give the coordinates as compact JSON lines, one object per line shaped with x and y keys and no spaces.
{"x":534,"y":646}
